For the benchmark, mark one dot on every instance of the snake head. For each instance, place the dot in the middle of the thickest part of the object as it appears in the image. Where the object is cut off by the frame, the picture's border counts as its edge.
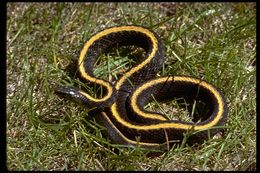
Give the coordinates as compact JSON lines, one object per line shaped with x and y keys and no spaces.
{"x":71,"y":93}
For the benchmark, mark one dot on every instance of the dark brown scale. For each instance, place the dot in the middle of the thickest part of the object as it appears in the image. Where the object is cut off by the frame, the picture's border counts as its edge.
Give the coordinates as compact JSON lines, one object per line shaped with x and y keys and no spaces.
{"x":126,"y":38}
{"x":167,"y":90}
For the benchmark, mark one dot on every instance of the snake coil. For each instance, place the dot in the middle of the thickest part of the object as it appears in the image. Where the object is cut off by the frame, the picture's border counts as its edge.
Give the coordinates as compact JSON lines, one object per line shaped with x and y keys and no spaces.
{"x":121,"y":108}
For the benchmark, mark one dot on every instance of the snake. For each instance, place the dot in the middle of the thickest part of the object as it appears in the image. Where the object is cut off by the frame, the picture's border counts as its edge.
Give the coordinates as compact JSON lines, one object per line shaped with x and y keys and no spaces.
{"x":121,"y":106}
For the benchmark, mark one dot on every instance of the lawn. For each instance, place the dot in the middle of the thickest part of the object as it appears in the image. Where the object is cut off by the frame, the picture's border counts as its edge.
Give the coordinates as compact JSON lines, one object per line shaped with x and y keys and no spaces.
{"x":212,"y":41}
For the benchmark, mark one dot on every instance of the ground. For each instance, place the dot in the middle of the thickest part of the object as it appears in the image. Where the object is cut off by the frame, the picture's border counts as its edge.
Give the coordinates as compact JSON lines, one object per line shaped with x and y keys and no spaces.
{"x":212,"y":41}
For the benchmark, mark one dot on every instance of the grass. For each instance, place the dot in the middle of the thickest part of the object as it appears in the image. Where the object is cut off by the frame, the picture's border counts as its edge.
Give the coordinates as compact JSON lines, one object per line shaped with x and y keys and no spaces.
{"x":212,"y":41}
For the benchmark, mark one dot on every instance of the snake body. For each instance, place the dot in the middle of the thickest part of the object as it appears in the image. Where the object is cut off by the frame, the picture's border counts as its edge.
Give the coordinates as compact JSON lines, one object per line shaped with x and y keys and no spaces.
{"x":121,"y":108}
